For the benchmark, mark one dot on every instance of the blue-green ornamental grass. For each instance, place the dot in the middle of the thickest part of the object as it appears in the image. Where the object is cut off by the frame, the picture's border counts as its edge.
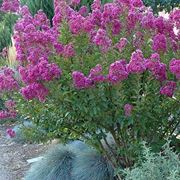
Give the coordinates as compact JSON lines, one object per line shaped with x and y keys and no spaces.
{"x":56,"y":164}
{"x":75,"y":161}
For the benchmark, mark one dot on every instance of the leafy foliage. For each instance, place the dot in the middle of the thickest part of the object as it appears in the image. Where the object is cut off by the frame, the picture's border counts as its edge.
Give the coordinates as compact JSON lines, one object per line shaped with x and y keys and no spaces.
{"x":6,"y":28}
{"x":7,"y":21}
{"x":161,"y":166}
{"x":29,"y":133}
{"x":46,"y":5}
{"x":160,"y":5}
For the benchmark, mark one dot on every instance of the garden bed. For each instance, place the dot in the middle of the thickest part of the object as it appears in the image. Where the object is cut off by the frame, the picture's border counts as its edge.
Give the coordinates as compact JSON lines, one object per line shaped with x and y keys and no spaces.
{"x":14,"y":156}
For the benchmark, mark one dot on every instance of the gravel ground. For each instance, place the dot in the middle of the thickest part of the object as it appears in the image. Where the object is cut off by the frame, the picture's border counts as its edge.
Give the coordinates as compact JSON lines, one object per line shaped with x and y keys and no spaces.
{"x":13,"y":156}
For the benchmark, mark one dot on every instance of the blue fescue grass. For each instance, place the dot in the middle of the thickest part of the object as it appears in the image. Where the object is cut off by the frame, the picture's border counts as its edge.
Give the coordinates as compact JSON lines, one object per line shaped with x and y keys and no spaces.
{"x":55,"y":165}
{"x":90,"y":165}
{"x":75,"y":161}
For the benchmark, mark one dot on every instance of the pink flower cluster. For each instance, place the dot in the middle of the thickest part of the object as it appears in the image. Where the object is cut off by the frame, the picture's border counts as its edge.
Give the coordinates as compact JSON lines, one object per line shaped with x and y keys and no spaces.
{"x":137,"y":62}
{"x":95,"y":76}
{"x":33,"y":37}
{"x":10,"y":105}
{"x":175,"y":17}
{"x":117,"y":71}
{"x":35,"y":42}
{"x":168,"y":88}
{"x":75,"y":2}
{"x":7,"y":114}
{"x":10,"y":132}
{"x":157,"y":68}
{"x":68,"y":51}
{"x":121,"y":44}
{"x":10,"y":5}
{"x":102,"y":40}
{"x":35,"y":90}
{"x":128,"y":109}
{"x":147,"y":21}
{"x":43,"y":71}
{"x":159,"y":43}
{"x":7,"y":80}
{"x":80,"y":80}
{"x":174,"y":67}
{"x":136,"y":3}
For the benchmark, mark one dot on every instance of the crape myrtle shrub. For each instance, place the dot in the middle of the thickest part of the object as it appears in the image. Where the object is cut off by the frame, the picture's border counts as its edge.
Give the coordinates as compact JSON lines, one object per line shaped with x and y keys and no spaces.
{"x":112,"y":72}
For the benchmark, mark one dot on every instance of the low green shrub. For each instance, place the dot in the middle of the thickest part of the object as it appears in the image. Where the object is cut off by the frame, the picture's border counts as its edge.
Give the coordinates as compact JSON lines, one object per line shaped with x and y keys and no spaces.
{"x":27,"y":132}
{"x":152,"y":166}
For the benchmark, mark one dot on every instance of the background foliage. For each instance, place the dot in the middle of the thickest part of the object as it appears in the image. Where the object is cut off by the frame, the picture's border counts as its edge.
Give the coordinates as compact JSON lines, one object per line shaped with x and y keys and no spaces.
{"x":7,"y":21}
{"x":160,"y":5}
{"x":46,"y":5}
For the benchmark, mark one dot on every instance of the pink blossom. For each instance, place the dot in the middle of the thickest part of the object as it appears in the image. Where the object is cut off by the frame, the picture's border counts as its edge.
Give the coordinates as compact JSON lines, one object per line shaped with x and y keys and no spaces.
{"x":88,"y":24}
{"x":11,"y":133}
{"x":83,"y":11}
{"x":7,"y":114}
{"x":111,"y":13}
{"x":101,"y":39}
{"x":69,"y":51}
{"x":168,"y":89}
{"x":174,"y":67}
{"x":116,"y":27}
{"x":96,"y":5}
{"x":4,"y":52}
{"x":117,"y":71}
{"x":157,"y":68}
{"x":175,"y":17}
{"x":96,"y":17}
{"x":10,"y":5}
{"x":35,"y":90}
{"x":42,"y":71}
{"x":132,"y":19}
{"x":159,"y":43}
{"x":10,"y":104}
{"x":59,"y":48}
{"x":75,"y":23}
{"x":80,"y":80}
{"x":128,"y":109}
{"x":95,"y":74}
{"x":75,"y":2}
{"x":138,"y":39}
{"x":121,"y":44}
{"x":127,"y":2}
{"x":137,"y":62}
{"x":96,"y":70}
{"x":136,"y":3}
{"x":7,"y":80}
{"x":159,"y":23}
{"x":147,"y":21}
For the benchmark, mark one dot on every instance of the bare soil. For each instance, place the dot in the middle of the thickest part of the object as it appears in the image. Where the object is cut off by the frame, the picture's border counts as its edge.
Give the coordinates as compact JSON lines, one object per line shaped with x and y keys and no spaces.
{"x":14,"y":156}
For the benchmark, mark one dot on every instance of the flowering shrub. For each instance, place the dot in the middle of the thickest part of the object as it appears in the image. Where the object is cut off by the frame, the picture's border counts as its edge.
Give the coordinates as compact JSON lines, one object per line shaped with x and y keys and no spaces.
{"x":113,"y":71}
